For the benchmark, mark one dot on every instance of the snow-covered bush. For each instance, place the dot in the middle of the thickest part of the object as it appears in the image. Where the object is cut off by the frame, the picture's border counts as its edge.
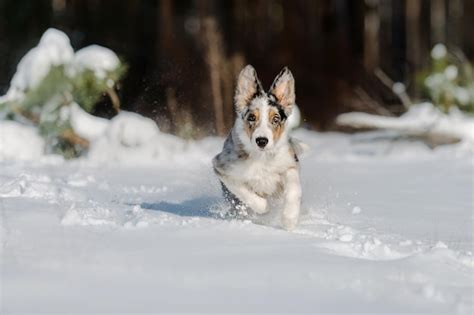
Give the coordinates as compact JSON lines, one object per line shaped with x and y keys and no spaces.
{"x":51,"y":78}
{"x":450,"y":80}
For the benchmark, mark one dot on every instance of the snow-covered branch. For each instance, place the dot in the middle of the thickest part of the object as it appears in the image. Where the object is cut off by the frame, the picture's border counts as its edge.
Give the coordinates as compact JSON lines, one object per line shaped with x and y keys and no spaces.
{"x":421,"y":120}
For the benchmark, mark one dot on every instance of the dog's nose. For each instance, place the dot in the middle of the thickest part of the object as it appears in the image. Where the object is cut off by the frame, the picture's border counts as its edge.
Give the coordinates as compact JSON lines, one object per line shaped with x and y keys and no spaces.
{"x":261,"y":142}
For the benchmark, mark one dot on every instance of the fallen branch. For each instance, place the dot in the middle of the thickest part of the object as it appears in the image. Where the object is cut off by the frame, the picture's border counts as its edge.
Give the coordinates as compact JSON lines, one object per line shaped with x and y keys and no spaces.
{"x":71,"y":137}
{"x":422,"y":120}
{"x":114,"y":98}
{"x":396,"y":87}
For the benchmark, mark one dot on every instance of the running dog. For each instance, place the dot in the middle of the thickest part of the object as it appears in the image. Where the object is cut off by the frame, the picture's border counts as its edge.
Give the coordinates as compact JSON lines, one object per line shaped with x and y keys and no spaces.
{"x":259,"y":161}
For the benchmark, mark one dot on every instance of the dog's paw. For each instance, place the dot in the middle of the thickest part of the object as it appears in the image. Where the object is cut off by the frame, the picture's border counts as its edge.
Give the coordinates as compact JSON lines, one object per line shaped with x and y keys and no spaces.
{"x":289,"y":223}
{"x":259,"y":205}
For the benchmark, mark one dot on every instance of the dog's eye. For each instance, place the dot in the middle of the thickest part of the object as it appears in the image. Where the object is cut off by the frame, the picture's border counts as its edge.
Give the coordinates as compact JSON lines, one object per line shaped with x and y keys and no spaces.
{"x":276,"y":119}
{"x":251,"y":117}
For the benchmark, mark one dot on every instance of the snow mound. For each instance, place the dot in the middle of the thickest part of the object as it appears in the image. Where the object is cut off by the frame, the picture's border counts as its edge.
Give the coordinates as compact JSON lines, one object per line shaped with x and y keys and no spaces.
{"x":19,"y":142}
{"x":96,"y":58}
{"x":132,"y":138}
{"x":132,"y":130}
{"x":84,"y":124}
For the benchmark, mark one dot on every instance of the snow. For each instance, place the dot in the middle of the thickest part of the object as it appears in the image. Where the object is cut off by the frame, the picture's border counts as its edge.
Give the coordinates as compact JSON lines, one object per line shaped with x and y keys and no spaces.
{"x":435,"y":81}
{"x":451,"y":72}
{"x":18,"y":141}
{"x":399,"y":88}
{"x":97,"y":58}
{"x":356,"y":210}
{"x":84,"y":124}
{"x":439,"y":51}
{"x":54,"y":49}
{"x":136,"y":226}
{"x":463,"y":95}
{"x":420,"y":119}
{"x":131,"y":129}
{"x":294,"y":120}
{"x":132,"y":139}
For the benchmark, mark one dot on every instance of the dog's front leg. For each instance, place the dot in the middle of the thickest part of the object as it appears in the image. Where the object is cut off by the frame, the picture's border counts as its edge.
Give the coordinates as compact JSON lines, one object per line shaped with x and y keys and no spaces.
{"x":251,"y":199}
{"x":292,"y":203}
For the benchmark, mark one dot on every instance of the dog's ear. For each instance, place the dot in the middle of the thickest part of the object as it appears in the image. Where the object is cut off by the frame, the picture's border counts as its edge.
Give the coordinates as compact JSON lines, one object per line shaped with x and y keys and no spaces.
{"x":248,"y":87}
{"x":283,"y":88}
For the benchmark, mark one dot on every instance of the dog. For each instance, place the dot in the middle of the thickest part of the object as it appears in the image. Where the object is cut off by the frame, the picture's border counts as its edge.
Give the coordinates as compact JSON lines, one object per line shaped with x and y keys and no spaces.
{"x":259,"y":161}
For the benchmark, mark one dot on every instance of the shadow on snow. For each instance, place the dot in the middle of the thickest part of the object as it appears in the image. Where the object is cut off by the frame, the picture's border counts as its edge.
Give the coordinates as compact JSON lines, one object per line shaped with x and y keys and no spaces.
{"x":197,"y":207}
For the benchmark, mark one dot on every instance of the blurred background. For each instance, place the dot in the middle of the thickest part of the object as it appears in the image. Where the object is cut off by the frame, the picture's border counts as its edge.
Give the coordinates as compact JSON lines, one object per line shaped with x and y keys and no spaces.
{"x":182,"y":57}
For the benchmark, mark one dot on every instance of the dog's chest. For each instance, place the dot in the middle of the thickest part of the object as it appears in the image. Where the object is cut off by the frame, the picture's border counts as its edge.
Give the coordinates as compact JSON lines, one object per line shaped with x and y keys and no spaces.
{"x":264,"y":177}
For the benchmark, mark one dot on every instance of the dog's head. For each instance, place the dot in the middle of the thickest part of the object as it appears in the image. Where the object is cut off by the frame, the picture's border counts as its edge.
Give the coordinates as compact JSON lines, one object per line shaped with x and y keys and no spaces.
{"x":262,"y":116}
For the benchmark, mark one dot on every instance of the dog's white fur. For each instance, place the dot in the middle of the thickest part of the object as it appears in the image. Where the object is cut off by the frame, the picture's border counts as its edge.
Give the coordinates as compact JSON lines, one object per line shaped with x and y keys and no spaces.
{"x":254,"y":174}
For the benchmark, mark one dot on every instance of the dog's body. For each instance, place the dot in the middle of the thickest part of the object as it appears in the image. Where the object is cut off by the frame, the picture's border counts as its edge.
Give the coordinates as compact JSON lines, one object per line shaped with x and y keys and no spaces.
{"x":259,"y":160}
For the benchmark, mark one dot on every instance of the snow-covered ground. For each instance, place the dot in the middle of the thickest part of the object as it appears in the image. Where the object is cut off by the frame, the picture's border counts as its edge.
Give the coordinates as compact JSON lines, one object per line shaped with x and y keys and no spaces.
{"x":387,"y":227}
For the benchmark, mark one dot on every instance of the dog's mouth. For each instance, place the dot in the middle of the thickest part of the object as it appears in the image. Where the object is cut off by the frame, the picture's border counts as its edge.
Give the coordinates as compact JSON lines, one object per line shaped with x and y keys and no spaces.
{"x":265,"y":149}
{"x":261,"y":149}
